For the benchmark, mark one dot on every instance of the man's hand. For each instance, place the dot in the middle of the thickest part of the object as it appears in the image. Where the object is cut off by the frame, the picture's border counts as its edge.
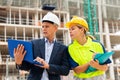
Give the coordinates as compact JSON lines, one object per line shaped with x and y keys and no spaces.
{"x":43,"y":62}
{"x":19,"y":54}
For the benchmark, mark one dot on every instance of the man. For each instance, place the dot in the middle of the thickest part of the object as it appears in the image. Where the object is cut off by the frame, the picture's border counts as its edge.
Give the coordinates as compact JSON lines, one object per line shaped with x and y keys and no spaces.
{"x":47,"y":51}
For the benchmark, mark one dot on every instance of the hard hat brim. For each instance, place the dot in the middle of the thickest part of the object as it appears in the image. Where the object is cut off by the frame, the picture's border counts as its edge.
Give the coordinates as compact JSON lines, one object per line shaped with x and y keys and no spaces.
{"x":68,"y":24}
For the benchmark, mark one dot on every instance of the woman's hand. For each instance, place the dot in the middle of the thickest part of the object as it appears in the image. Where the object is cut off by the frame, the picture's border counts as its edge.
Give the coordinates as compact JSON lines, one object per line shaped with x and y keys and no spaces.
{"x":19,"y":54}
{"x":94,"y":63}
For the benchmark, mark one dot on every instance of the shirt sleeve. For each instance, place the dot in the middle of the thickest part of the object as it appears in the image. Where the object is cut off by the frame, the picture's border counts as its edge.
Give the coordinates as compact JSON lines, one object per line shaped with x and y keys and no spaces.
{"x":73,"y":64}
{"x":108,"y":61}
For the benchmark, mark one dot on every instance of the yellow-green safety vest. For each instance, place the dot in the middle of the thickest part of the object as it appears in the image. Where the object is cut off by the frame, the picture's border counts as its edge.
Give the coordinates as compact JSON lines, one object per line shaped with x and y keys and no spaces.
{"x":81,"y":54}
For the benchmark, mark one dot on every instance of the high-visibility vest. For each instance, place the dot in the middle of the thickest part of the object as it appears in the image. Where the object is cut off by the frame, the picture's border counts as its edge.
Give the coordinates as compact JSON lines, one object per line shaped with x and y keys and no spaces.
{"x":81,"y":54}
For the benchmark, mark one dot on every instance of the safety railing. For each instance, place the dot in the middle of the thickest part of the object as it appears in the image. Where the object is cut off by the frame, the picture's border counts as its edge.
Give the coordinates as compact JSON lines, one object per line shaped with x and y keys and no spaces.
{"x":4,"y":38}
{"x":23,"y":21}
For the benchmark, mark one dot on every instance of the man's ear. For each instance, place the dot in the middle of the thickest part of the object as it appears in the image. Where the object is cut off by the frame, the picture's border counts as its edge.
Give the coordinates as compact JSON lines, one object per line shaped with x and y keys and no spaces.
{"x":56,"y":27}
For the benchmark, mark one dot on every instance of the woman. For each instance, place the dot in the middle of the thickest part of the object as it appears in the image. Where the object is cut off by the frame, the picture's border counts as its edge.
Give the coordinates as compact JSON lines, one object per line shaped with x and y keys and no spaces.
{"x":81,"y":51}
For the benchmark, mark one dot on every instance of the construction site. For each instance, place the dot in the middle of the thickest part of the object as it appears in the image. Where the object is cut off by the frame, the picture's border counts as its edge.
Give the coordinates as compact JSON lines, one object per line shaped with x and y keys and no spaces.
{"x":21,"y":20}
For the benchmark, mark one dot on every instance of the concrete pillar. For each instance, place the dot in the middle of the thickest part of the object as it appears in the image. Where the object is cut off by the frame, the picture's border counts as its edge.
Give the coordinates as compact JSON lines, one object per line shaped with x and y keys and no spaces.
{"x":5,"y":33}
{"x":9,"y":20}
{"x":15,"y":32}
{"x":27,"y":18}
{"x":19,"y":16}
{"x":108,"y":44}
{"x":36,"y":18}
{"x":100,"y":20}
{"x":32,"y":33}
{"x":36,"y":34}
{"x":24,"y":34}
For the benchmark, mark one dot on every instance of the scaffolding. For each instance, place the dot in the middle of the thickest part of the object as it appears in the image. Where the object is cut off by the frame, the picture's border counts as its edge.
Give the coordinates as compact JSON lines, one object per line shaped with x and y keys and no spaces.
{"x":21,"y":19}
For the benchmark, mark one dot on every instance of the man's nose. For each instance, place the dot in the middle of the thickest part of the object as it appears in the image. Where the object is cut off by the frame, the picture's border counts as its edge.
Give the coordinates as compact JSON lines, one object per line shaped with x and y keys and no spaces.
{"x":43,"y":28}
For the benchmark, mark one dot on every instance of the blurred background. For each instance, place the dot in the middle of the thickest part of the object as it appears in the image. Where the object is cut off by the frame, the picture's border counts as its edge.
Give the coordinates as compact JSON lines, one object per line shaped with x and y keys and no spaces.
{"x":21,"y":19}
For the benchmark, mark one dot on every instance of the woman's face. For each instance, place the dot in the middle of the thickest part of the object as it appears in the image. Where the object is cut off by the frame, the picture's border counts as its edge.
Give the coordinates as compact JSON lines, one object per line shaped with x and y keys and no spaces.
{"x":76,"y":32}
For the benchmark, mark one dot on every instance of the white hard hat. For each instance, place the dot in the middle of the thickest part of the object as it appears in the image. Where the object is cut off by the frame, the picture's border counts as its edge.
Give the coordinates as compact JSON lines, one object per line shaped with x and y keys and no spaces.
{"x":50,"y":17}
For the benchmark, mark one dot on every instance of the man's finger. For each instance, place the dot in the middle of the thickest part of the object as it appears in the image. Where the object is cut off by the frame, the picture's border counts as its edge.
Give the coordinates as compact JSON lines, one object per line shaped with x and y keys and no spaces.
{"x":14,"y":51}
{"x":24,"y":53}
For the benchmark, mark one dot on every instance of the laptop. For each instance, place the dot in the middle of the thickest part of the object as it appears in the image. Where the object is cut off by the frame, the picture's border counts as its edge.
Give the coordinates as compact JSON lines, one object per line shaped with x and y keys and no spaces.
{"x":27,"y":46}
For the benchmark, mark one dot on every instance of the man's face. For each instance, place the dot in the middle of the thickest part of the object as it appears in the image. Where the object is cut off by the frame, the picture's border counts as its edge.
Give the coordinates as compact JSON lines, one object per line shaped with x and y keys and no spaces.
{"x":48,"y":29}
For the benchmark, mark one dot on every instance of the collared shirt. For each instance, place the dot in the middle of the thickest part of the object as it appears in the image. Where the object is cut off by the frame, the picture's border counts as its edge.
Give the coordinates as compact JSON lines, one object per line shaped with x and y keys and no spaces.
{"x":48,"y":51}
{"x":75,"y":64}
{"x":81,"y":54}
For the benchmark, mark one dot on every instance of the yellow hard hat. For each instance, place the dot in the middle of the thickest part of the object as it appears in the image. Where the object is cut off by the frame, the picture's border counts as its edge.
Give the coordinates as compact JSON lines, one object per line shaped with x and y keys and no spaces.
{"x":77,"y":20}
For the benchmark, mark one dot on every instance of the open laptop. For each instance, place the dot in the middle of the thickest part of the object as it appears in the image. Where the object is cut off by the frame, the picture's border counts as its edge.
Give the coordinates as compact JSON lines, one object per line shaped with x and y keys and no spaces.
{"x":27,"y":46}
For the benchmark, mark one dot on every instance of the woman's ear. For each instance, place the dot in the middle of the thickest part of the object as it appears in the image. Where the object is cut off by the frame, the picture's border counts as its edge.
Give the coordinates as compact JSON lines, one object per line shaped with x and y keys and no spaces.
{"x":83,"y":29}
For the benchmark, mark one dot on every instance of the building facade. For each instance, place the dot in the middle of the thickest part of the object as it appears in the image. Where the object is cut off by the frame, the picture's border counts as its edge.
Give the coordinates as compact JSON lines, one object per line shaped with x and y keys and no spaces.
{"x":21,"y":20}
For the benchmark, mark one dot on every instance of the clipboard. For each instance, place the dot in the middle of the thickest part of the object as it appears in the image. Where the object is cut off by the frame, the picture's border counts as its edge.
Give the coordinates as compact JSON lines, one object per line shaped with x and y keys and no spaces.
{"x":101,"y":58}
{"x":27,"y":46}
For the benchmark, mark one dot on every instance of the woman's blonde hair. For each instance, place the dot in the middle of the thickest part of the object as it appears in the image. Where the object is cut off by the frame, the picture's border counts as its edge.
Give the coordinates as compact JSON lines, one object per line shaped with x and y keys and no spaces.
{"x":92,"y":37}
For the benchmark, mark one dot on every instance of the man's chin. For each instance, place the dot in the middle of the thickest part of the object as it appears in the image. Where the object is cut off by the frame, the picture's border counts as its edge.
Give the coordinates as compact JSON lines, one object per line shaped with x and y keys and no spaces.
{"x":45,"y":36}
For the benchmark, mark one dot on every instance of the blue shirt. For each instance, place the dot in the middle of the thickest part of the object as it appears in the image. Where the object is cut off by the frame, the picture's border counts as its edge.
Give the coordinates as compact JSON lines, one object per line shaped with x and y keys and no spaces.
{"x":48,"y":51}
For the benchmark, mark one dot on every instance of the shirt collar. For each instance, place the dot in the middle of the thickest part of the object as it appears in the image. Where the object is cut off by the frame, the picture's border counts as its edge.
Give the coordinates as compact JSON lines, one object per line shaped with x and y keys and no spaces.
{"x":46,"y":40}
{"x":87,"y":44}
